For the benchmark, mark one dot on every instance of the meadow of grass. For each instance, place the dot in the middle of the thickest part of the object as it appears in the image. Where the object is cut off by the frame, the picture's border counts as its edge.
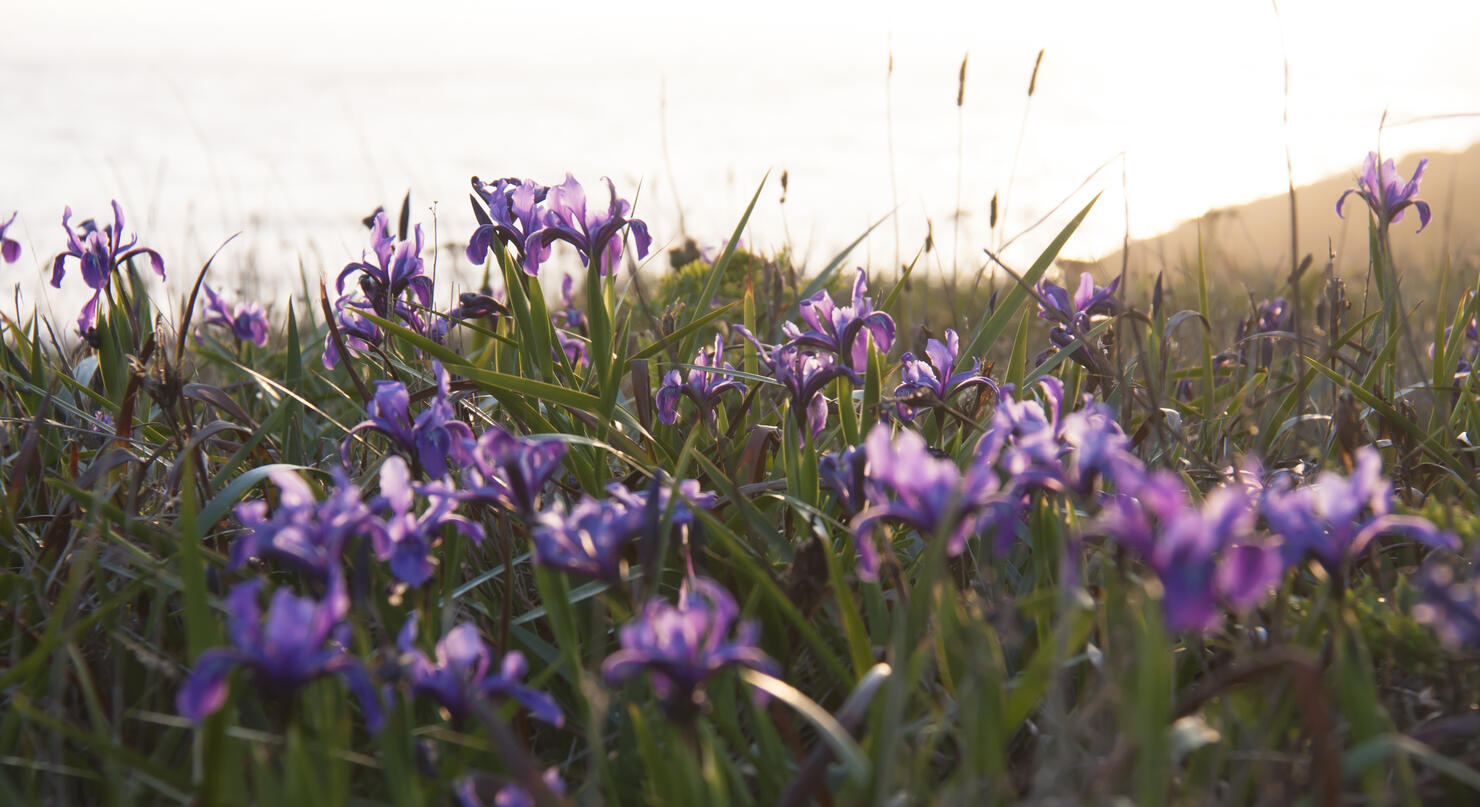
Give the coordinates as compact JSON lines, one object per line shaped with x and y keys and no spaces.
{"x":1070,"y":543}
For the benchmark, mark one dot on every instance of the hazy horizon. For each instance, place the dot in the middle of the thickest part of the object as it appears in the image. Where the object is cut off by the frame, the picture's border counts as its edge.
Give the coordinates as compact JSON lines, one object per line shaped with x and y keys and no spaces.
{"x":293,"y":121}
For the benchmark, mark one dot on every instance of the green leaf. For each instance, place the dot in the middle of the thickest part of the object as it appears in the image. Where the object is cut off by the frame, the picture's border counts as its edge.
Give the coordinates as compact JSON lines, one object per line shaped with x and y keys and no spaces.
{"x":717,"y":272}
{"x":490,"y":380}
{"x":681,"y":333}
{"x":842,"y":743}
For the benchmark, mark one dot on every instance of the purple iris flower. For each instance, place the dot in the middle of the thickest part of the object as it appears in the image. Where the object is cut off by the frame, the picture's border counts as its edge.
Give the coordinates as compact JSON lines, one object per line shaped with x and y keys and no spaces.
{"x":100,"y":252}
{"x":1270,"y":316}
{"x":1450,"y":607}
{"x":1089,"y":300}
{"x":934,"y":378}
{"x":303,"y":533}
{"x":247,"y":322}
{"x":683,"y":647}
{"x":102,"y":422}
{"x":513,"y":214}
{"x":1468,"y":349}
{"x":930,"y":494}
{"x":596,"y":234}
{"x":1095,"y":449}
{"x":10,"y":249}
{"x":1023,"y":439}
{"x":510,"y":795}
{"x":508,"y":471}
{"x":840,"y":330}
{"x":460,"y":676}
{"x":406,"y":537}
{"x":301,"y":640}
{"x":397,"y":269}
{"x":570,"y":317}
{"x":1334,"y":517}
{"x":690,"y":492}
{"x":1385,"y":192}
{"x":703,"y":387}
{"x":648,"y":507}
{"x":1043,"y":448}
{"x":1073,"y":318}
{"x":803,"y":373}
{"x":472,"y":305}
{"x":845,"y":474}
{"x":359,"y":334}
{"x":587,"y":540}
{"x":429,"y":439}
{"x":575,"y":348}
{"x":571,"y":327}
{"x":1204,"y":556}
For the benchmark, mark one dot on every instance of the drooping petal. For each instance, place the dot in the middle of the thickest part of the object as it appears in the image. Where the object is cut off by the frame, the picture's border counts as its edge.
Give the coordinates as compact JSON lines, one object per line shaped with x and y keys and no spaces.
{"x":206,"y":690}
{"x":668,"y":397}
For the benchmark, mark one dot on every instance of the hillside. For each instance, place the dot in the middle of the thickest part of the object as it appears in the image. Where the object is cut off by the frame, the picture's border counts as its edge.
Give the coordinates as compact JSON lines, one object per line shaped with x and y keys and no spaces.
{"x":1250,"y":243}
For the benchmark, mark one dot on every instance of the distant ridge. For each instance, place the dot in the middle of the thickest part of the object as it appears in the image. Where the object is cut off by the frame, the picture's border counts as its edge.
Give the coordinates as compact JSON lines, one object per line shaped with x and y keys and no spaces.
{"x":1250,"y":243}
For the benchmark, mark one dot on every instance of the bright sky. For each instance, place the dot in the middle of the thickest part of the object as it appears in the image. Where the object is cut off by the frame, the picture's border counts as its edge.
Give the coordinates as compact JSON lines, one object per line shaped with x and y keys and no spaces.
{"x":239,"y":112}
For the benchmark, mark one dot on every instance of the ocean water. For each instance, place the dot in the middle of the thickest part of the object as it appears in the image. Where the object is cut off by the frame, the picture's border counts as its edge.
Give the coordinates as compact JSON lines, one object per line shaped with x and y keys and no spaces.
{"x":288,"y":123}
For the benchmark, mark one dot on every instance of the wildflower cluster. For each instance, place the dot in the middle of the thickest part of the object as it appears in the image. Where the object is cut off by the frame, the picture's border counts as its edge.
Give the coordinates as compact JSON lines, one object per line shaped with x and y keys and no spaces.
{"x":530,"y":218}
{"x":478,"y":562}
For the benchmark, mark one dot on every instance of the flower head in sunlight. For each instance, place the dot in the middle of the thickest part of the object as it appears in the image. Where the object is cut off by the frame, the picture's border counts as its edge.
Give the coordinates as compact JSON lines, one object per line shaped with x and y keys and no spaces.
{"x":803,"y":374}
{"x":702,"y":386}
{"x":595,"y":233}
{"x":650,"y":507}
{"x":933,"y":379}
{"x":301,"y":640}
{"x":1022,"y":439}
{"x":10,"y":249}
{"x":406,"y":537}
{"x":508,"y":471}
{"x":396,"y":270}
{"x":359,"y":334}
{"x":461,"y":674}
{"x":1074,"y":317}
{"x":1386,"y":193}
{"x":247,"y":322}
{"x":302,"y":532}
{"x":909,"y":485}
{"x":1335,"y":516}
{"x":844,"y":474}
{"x":1205,"y":556}
{"x":1095,"y":449}
{"x":99,"y":251}
{"x":683,"y":647}
{"x":843,"y":330}
{"x":514,"y":213}
{"x":430,"y":439}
